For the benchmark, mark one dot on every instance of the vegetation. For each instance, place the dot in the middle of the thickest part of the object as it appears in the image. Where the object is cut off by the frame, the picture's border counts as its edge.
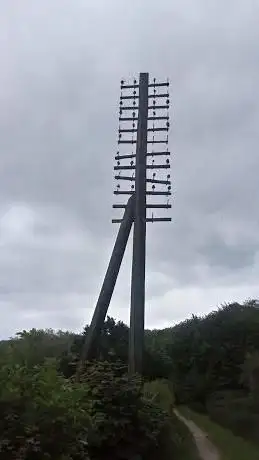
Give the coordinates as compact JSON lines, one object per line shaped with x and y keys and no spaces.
{"x":46,"y":414}
{"x":210,"y":364}
{"x":231,"y":447}
{"x":215,"y":367}
{"x":175,"y":440}
{"x":113,"y":345}
{"x":105,"y":416}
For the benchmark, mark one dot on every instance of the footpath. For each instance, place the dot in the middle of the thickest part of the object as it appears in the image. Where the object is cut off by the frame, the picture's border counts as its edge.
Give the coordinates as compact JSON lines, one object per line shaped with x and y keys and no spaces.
{"x":206,"y":449}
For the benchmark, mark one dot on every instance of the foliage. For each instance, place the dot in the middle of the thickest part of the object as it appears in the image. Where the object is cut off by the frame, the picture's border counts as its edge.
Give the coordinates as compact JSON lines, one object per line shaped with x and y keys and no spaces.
{"x":174,"y":440}
{"x":124,"y":421}
{"x":113,"y":345}
{"x":239,"y":412}
{"x":159,"y":392}
{"x":33,"y":347}
{"x":45,"y":416}
{"x":215,"y":367}
{"x":250,"y":373}
{"x":231,"y":447}
{"x":211,"y":362}
{"x":41,"y":417}
{"x":207,"y":353}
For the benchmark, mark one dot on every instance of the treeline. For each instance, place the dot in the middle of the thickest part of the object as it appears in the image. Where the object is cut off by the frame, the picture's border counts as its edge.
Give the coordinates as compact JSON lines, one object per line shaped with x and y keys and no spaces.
{"x":210,"y":362}
{"x":215,"y":366}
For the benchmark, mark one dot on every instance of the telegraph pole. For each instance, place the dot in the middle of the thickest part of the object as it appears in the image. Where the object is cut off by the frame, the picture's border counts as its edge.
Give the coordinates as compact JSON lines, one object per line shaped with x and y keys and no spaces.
{"x":143,"y":92}
{"x":146,"y":127}
{"x":137,"y":308}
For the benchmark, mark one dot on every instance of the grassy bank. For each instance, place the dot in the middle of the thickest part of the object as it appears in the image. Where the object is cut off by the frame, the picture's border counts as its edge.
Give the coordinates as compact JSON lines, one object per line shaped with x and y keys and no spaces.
{"x":231,"y":447}
{"x":176,"y":442}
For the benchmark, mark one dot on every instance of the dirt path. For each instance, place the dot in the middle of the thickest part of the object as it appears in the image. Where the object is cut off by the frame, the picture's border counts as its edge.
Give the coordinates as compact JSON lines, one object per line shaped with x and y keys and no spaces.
{"x":206,"y":449}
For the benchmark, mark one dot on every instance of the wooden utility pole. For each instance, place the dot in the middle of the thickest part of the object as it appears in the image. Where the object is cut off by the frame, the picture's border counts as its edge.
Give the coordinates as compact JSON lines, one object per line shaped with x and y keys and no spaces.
{"x":140,"y":135}
{"x":137,"y":308}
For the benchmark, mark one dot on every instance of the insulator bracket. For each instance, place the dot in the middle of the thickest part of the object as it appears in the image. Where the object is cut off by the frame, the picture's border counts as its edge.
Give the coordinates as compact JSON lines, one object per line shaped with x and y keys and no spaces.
{"x":157,"y":107}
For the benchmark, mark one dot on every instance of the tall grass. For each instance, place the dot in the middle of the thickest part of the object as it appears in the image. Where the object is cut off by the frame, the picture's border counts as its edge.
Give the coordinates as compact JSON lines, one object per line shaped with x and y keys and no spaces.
{"x":231,"y":447}
{"x":159,"y":392}
{"x":176,"y":442}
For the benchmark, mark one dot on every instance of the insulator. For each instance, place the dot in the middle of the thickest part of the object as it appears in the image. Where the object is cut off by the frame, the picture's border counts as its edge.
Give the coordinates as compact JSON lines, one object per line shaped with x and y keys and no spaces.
{"x":158,"y":112}
{"x":167,"y":161}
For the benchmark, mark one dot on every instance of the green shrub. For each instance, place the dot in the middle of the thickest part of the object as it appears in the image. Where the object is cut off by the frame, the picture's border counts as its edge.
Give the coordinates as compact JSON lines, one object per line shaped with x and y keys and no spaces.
{"x":104,"y":416}
{"x":41,"y":417}
{"x":126,"y":424}
{"x":237,"y":412}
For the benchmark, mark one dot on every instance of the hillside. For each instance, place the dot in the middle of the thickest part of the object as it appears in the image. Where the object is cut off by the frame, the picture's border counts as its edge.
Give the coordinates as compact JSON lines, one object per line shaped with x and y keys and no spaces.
{"x":210,"y":362}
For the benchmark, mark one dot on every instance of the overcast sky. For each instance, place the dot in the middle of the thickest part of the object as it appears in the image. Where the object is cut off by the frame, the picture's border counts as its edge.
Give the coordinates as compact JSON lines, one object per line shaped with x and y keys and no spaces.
{"x":61,"y":65}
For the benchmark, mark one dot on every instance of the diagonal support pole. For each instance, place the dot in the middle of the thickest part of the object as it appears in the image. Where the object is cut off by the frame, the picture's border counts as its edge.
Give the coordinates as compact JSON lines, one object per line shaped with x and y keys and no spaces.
{"x":109,"y":282}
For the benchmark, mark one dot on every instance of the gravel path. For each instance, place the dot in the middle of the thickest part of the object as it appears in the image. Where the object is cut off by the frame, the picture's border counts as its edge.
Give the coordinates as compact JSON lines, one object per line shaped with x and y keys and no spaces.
{"x":206,"y":449}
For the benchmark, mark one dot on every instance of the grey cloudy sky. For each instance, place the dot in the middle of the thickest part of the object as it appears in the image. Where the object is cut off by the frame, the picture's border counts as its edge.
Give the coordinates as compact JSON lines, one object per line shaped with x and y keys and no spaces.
{"x":61,"y":64}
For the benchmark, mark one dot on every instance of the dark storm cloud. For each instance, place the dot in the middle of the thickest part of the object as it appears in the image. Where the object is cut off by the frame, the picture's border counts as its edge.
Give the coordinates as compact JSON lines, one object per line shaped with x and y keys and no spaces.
{"x":61,"y":64}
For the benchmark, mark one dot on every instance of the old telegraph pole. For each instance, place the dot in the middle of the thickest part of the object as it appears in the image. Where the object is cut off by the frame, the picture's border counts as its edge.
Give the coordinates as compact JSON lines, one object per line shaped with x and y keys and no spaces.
{"x":143,"y":128}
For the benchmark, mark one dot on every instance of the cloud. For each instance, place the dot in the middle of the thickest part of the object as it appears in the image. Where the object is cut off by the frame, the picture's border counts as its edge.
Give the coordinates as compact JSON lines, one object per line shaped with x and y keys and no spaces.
{"x":61,"y":64}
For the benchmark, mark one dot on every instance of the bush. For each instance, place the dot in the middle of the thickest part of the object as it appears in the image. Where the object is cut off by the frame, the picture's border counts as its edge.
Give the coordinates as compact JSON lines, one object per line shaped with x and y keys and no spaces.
{"x":125,"y":423}
{"x":41,"y":417}
{"x":105,"y":416}
{"x":237,"y":412}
